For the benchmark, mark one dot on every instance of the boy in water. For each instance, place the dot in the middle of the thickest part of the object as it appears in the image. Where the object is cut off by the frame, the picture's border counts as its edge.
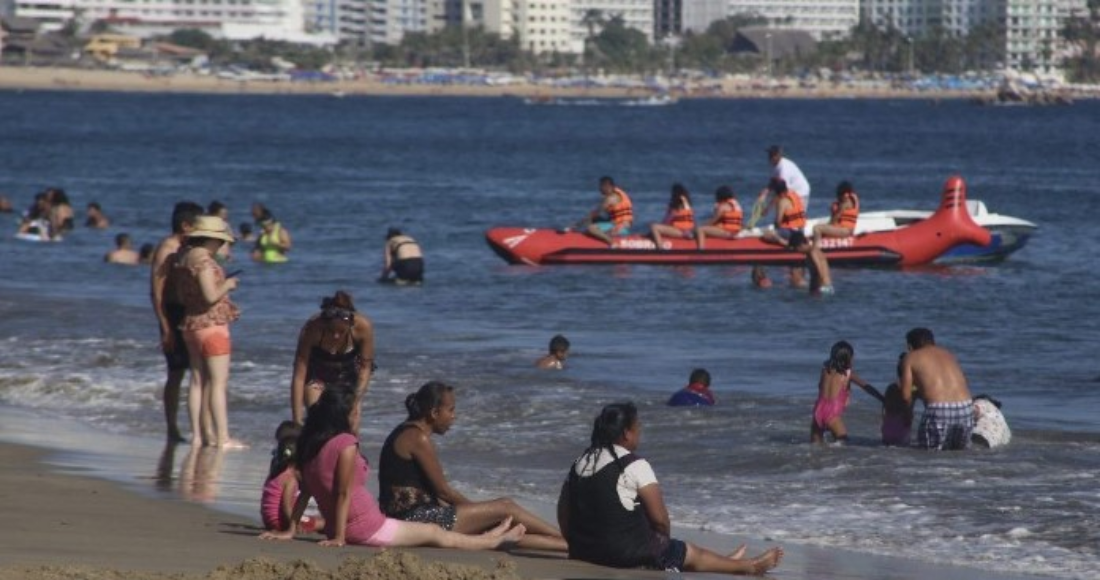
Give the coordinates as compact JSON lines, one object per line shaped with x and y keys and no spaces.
{"x":696,"y":393}
{"x":559,"y":351}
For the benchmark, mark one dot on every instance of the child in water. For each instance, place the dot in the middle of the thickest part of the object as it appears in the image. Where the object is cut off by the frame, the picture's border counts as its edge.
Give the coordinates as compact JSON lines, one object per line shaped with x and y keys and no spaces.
{"x":281,"y":487}
{"x":696,"y":393}
{"x":833,"y":390}
{"x":897,"y":418}
{"x":555,"y":359}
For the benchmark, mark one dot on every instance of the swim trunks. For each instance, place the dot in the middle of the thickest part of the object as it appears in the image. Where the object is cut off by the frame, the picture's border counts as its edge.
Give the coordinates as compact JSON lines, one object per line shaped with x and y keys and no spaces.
{"x":946,"y":426}
{"x":671,"y":554}
{"x":443,"y":516}
{"x":409,"y":269}
{"x":177,"y":358}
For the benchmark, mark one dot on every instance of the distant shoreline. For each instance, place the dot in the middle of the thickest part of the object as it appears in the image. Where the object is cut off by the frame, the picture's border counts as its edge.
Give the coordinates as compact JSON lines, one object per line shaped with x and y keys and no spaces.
{"x":65,"y":79}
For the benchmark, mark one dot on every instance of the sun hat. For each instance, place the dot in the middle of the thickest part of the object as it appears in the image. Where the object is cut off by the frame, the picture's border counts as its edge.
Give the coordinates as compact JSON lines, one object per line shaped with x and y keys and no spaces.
{"x":209,"y":226}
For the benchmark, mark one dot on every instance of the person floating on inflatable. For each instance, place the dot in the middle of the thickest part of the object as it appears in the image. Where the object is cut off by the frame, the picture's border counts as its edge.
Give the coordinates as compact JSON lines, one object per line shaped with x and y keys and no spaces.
{"x":696,"y":394}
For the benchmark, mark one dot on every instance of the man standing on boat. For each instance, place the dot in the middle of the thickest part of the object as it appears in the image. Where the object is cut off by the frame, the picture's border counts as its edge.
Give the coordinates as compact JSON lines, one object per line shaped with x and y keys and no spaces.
{"x":788,"y":171}
{"x":932,"y":374}
{"x":616,"y":211}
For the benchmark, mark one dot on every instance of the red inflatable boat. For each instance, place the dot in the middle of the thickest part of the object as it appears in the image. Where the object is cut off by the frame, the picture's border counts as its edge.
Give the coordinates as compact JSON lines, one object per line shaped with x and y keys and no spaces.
{"x":913,"y":245}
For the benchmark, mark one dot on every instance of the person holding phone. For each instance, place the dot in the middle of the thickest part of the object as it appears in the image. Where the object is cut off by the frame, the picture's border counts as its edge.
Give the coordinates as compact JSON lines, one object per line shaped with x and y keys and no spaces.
{"x":203,"y":289}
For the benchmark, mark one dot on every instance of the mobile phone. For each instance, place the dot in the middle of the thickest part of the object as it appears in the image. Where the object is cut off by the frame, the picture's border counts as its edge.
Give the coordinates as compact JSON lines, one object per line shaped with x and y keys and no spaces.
{"x":234,"y":273}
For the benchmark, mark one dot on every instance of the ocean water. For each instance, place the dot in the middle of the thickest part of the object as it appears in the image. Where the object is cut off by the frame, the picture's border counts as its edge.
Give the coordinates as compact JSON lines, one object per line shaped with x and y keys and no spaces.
{"x":77,"y":338}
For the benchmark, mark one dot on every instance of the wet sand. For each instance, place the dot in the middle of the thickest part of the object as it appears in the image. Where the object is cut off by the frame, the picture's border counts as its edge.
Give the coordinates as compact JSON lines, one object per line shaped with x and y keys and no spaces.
{"x":61,"y":524}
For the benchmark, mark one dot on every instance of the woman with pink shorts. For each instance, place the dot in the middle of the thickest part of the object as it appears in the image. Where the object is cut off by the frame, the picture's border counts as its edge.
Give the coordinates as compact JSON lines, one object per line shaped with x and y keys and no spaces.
{"x":204,"y":291}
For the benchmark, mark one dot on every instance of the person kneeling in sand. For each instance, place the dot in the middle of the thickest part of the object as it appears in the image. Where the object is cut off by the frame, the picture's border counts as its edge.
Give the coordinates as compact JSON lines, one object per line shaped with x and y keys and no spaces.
{"x":612,"y":512}
{"x":335,"y":473}
{"x":412,"y":486}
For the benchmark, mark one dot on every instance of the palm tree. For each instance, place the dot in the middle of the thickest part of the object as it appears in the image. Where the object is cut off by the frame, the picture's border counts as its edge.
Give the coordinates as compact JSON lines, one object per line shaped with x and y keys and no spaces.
{"x":592,"y":18}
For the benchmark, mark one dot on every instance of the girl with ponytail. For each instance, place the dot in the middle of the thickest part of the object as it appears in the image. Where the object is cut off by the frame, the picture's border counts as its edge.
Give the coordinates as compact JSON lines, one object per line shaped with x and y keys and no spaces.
{"x":412,"y":485}
{"x":612,"y":513}
{"x":833,"y":390}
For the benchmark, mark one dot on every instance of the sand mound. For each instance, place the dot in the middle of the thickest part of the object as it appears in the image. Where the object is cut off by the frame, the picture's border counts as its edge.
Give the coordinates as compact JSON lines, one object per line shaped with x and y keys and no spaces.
{"x":388,"y":565}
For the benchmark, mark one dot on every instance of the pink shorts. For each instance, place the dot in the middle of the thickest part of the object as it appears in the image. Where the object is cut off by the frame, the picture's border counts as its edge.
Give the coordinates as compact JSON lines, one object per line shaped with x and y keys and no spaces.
{"x":210,"y":341}
{"x":385,"y":535}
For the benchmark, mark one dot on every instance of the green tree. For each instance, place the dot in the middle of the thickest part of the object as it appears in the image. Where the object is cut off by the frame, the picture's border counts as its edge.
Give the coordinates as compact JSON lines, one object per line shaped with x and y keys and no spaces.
{"x":625,"y":49}
{"x":1083,"y":33}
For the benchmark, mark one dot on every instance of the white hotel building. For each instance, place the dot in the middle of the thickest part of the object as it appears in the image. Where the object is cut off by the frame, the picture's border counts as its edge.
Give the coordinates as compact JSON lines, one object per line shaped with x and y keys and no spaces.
{"x":1032,"y":28}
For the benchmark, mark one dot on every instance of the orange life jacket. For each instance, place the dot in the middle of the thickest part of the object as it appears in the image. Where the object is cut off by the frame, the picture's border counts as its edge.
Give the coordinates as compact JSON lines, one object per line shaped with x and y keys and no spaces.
{"x":794,"y":217}
{"x":682,"y":219}
{"x":622,"y":213}
{"x":846,"y":217}
{"x":730,"y":219}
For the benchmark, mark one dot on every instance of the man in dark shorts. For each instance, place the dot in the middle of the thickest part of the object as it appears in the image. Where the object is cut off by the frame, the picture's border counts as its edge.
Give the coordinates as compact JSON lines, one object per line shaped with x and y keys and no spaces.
{"x":170,"y":312}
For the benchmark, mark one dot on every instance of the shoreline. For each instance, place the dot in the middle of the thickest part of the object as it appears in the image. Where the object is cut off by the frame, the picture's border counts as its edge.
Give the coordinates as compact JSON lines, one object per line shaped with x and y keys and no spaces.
{"x":90,"y":510}
{"x":65,"y":79}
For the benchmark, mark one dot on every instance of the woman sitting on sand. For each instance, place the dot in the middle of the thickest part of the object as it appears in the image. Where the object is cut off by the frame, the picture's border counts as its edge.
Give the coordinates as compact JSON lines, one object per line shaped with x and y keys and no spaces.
{"x":612,"y":512}
{"x":335,"y":347}
{"x":334,"y":472}
{"x":412,"y":485}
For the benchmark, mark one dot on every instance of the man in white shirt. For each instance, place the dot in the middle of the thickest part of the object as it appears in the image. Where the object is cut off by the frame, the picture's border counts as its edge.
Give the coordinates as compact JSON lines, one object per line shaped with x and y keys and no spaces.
{"x":785,"y":169}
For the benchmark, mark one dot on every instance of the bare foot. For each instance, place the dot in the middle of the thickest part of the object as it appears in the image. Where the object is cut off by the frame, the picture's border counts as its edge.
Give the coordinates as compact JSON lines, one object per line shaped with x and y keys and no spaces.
{"x":767,"y":561}
{"x":738,"y":553}
{"x":233,"y":444}
{"x":514,"y":535}
{"x":500,"y":528}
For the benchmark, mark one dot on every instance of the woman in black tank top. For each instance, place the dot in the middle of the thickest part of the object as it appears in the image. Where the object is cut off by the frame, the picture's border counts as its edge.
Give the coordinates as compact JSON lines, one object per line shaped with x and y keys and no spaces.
{"x":412,"y":486}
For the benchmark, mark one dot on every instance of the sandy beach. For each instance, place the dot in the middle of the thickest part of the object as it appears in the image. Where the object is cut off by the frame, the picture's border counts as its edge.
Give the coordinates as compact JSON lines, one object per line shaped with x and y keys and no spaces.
{"x":64,"y":524}
{"x":23,"y":78}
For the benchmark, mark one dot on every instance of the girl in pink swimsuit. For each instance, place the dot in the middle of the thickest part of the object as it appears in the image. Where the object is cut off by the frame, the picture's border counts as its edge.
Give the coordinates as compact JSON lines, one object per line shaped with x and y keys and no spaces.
{"x":281,"y":488}
{"x":833,"y":390}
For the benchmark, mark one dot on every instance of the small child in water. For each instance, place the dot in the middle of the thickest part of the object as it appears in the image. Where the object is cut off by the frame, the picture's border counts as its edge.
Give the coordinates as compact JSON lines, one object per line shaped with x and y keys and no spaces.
{"x":696,"y":393}
{"x":281,"y":488}
{"x":897,"y":418}
{"x":559,"y":351}
{"x":833,"y":390}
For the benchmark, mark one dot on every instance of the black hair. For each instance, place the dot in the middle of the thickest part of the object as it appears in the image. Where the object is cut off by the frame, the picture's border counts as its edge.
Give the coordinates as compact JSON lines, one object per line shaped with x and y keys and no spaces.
{"x":286,"y":447}
{"x":340,"y":299}
{"x":919,"y":337}
{"x":608,"y":429}
{"x":146,"y":251}
{"x":328,"y":417}
{"x":120,"y":238}
{"x":840,"y":357}
{"x":607,"y":180}
{"x":185,"y":213}
{"x":777,"y":185}
{"x":700,"y":376}
{"x":559,"y":344}
{"x":723,"y":193}
{"x":214,"y":207}
{"x":392,"y":233}
{"x":427,"y":398}
{"x":95,"y":205}
{"x":679,"y":196}
{"x":844,"y":187}
{"x":245,"y":228}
